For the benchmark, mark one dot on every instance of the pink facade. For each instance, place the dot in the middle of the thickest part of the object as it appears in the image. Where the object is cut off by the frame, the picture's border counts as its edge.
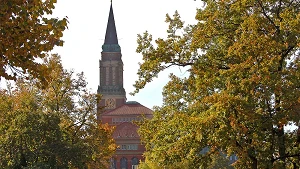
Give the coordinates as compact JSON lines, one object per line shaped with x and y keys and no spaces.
{"x":130,"y":150}
{"x":113,"y":108}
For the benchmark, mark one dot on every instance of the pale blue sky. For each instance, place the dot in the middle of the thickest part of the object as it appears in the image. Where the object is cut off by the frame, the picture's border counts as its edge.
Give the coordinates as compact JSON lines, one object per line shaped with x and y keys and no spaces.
{"x":85,"y":36}
{"x":86,"y":32}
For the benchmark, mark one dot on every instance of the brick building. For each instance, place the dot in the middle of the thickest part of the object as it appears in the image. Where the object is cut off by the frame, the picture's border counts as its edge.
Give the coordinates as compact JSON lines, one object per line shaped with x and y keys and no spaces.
{"x":117,"y":112}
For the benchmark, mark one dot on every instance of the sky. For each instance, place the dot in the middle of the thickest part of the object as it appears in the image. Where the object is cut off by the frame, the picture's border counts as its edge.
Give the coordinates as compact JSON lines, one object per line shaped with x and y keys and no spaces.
{"x":86,"y":32}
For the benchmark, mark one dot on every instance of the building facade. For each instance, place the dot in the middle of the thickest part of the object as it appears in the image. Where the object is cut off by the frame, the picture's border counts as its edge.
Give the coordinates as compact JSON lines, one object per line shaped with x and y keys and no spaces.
{"x":113,"y":107}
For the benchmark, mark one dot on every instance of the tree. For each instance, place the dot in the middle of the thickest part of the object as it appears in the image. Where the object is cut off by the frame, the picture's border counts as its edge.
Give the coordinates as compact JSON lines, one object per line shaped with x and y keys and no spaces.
{"x":55,"y":127}
{"x":242,"y":91}
{"x":26,"y":35}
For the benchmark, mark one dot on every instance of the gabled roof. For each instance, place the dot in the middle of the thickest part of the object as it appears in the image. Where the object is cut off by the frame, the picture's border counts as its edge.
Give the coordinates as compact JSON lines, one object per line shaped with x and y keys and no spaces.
{"x":129,"y":108}
{"x":111,"y":33}
{"x":126,"y":130}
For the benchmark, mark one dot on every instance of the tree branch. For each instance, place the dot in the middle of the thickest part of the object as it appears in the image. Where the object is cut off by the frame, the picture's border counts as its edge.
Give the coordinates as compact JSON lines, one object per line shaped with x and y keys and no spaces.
{"x":265,"y":14}
{"x":286,"y":156}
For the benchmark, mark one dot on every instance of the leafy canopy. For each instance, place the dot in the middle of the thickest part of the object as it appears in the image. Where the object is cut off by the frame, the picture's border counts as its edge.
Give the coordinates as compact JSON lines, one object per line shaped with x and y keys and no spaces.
{"x":55,"y":127}
{"x":242,"y":90}
{"x":26,"y":35}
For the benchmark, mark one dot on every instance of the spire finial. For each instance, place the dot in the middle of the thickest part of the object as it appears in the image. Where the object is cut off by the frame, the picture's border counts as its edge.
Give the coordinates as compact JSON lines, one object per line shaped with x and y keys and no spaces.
{"x":111,"y":38}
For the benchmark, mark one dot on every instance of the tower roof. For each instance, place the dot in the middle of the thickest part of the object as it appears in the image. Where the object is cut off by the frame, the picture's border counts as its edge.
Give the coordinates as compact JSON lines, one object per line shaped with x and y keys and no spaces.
{"x":111,"y":33}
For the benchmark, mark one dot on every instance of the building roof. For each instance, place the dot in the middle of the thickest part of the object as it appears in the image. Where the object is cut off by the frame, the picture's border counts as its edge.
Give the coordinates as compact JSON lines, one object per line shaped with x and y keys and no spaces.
{"x":111,"y":33}
{"x":129,"y":108}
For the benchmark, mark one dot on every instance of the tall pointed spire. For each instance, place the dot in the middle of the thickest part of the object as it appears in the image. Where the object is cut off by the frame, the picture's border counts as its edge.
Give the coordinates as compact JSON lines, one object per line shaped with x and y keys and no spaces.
{"x":111,"y":64}
{"x":111,"y":39}
{"x":111,"y":33}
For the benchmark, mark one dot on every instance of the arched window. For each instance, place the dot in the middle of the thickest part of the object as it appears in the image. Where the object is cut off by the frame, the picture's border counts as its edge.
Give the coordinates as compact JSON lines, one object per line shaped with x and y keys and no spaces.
{"x":134,"y":163}
{"x":124,"y":163}
{"x":113,"y":163}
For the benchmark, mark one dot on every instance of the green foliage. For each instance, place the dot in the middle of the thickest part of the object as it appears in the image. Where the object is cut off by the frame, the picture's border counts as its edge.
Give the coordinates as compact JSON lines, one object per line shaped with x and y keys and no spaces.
{"x":55,"y":127}
{"x":26,"y":35}
{"x":241,"y":92}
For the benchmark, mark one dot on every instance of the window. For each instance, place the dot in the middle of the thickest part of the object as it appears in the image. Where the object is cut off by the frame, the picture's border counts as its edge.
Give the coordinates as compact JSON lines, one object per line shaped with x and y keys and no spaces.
{"x":134,"y":147}
{"x":107,"y":76}
{"x":114,"y":75}
{"x":129,"y":147}
{"x":113,"y":163}
{"x":123,"y":163}
{"x":134,"y":163}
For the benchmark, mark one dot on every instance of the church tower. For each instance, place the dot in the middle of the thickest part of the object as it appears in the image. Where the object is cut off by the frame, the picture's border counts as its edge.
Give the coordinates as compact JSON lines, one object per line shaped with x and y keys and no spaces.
{"x":117,"y":112}
{"x":111,"y":69}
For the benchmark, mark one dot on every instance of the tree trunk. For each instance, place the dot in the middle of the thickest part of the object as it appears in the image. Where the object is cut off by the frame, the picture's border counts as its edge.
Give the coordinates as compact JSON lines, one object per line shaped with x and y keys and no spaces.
{"x":280,"y":134}
{"x":281,"y":145}
{"x":295,"y":166}
{"x":251,"y":153}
